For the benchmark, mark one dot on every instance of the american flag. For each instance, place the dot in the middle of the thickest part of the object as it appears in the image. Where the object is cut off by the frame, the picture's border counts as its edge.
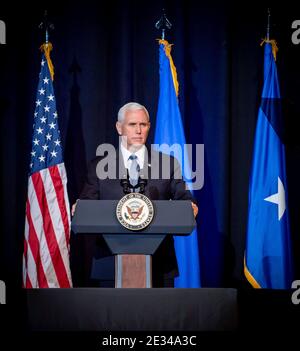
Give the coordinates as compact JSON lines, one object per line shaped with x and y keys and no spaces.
{"x":47,"y":222}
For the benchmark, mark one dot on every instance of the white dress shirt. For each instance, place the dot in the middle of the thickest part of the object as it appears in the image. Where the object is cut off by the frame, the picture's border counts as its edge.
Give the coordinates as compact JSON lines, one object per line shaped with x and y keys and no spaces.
{"x":140,"y":154}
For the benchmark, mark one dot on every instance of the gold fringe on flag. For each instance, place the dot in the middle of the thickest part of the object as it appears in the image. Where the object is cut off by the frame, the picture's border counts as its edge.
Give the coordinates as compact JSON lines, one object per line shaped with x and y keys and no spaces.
{"x":274,"y":46}
{"x":173,"y":68}
{"x":250,"y":277}
{"x":46,"y":48}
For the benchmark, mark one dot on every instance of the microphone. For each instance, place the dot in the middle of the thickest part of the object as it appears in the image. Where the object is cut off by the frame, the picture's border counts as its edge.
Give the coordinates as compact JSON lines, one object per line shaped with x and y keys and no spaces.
{"x":142,"y":182}
{"x":125,"y":183}
{"x":128,"y":188}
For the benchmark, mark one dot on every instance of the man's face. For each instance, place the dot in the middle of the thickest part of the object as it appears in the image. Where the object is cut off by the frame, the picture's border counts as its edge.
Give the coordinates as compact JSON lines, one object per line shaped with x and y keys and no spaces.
{"x":134,"y":129}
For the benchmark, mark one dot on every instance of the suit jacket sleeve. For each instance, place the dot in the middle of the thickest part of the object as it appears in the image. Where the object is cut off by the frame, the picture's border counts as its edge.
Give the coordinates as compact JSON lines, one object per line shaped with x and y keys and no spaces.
{"x":90,"y":189}
{"x":178,"y":186}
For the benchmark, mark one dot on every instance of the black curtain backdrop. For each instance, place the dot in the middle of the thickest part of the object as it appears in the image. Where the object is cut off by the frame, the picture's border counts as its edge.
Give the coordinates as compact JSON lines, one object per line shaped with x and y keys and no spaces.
{"x":106,"y":54}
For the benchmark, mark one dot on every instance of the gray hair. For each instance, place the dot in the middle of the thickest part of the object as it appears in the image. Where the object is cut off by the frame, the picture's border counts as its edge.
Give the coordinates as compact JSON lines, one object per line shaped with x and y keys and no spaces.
{"x":131,"y":106}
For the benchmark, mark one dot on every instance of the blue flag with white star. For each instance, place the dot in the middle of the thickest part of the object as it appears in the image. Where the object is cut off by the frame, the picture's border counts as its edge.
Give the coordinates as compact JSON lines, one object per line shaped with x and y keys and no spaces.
{"x":268,"y":255}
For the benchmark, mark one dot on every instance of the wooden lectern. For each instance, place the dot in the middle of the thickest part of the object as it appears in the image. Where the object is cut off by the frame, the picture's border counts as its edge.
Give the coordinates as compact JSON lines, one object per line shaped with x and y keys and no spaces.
{"x":133,"y":250}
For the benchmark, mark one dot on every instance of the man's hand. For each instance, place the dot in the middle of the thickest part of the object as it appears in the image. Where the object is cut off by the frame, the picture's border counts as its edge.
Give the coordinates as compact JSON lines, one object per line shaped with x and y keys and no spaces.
{"x":73,"y":208}
{"x":195,"y":209}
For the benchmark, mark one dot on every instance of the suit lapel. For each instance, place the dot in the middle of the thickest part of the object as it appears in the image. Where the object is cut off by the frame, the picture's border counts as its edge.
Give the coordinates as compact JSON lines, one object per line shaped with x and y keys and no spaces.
{"x":120,"y":167}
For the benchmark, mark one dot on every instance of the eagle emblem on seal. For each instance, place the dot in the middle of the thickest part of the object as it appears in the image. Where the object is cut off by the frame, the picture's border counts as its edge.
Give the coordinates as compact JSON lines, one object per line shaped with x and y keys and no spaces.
{"x":135,"y":211}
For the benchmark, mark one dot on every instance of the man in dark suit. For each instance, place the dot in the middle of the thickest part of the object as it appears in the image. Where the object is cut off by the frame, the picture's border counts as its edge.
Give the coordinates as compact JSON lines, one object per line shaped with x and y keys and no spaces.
{"x":163,"y":182}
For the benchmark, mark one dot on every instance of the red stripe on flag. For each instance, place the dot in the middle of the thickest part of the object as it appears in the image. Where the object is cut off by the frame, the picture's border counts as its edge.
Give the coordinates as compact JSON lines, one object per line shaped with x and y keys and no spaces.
{"x":60,"y":195}
{"x":34,"y":245}
{"x":28,"y":284}
{"x":53,"y":247}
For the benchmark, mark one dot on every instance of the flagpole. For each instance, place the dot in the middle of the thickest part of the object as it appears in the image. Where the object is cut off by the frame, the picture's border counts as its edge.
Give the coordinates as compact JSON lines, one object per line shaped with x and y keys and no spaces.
{"x":162,"y":24}
{"x":269,"y":21}
{"x":46,"y":25}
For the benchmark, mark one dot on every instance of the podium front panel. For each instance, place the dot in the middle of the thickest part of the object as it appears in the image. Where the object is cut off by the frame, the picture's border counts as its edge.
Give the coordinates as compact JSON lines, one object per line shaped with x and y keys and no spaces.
{"x":99,"y":216}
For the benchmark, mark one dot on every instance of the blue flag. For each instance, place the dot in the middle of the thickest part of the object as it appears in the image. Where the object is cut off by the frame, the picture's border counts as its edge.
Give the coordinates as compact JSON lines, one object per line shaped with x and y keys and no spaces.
{"x":169,"y":130}
{"x":268,"y":257}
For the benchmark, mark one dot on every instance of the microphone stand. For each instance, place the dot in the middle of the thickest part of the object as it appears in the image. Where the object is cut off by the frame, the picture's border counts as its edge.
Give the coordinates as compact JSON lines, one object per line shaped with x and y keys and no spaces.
{"x":125,"y":183}
{"x":142,"y":184}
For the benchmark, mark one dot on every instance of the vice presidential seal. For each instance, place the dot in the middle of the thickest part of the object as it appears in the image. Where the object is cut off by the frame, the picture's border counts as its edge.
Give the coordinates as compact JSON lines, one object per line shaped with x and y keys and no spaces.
{"x":135,"y":211}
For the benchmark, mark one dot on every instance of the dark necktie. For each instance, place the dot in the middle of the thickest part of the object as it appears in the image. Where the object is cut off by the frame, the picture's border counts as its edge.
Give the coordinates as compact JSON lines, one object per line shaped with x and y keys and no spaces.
{"x":134,"y":170}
